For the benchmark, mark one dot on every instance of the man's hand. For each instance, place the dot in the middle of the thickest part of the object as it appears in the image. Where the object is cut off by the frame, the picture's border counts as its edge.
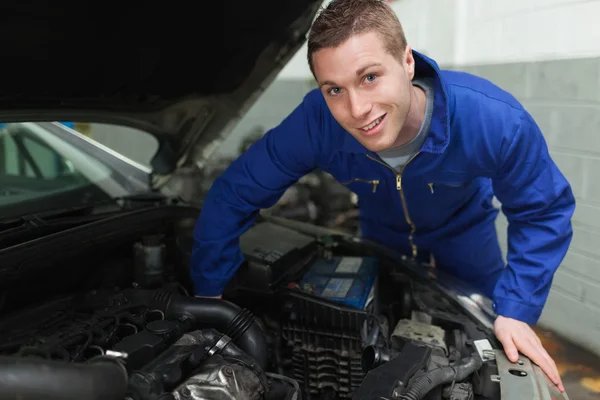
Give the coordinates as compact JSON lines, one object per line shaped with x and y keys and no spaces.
{"x":517,"y":336}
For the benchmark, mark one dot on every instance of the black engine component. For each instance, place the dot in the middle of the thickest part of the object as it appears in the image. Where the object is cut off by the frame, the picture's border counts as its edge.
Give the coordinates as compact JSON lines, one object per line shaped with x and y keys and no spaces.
{"x":436,"y":356}
{"x":386,"y":380}
{"x":222,"y":315}
{"x":140,"y":348}
{"x":374,"y":356}
{"x":33,"y":378}
{"x":141,"y":326}
{"x":144,"y":346}
{"x":75,"y":329}
{"x":325,"y":342}
{"x":162,"y":376}
{"x":399,"y":375}
{"x":273,"y":253}
{"x":329,"y":315}
{"x":439,"y":376}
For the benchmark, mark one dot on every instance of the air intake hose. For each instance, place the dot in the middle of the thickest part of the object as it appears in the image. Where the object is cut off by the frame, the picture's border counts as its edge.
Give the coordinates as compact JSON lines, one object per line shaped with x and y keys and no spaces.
{"x":224,"y":316}
{"x":441,"y":376}
{"x":34,"y":378}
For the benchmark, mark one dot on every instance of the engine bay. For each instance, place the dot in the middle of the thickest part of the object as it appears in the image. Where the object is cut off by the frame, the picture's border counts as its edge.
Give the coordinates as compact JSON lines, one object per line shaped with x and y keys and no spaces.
{"x":306,"y":317}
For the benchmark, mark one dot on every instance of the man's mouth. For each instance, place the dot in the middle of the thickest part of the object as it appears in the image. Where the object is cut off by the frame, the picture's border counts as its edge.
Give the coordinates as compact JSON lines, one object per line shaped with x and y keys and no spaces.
{"x":373,"y":124}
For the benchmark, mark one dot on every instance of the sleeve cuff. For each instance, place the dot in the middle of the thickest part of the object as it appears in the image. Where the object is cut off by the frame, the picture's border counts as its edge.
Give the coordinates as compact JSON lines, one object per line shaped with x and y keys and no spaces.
{"x":516,"y":310}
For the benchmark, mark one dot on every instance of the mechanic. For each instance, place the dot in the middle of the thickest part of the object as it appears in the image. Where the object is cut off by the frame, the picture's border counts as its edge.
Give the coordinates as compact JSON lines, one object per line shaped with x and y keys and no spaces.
{"x":426,"y":151}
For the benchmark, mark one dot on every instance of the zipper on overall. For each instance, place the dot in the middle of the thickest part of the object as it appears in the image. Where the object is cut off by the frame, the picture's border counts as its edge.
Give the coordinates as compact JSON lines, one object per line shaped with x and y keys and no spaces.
{"x":373,"y":182}
{"x":413,"y":228}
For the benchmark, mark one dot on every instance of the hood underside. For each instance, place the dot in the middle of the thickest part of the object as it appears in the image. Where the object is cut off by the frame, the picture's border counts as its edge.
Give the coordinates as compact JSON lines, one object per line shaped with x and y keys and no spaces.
{"x":184,"y":74}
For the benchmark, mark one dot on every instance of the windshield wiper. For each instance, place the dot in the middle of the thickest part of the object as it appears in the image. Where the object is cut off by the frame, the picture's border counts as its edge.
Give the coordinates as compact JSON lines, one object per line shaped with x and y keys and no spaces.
{"x":32,"y":226}
{"x":89,"y":211}
{"x":42,"y":219}
{"x":16,"y":224}
{"x":42,"y":223}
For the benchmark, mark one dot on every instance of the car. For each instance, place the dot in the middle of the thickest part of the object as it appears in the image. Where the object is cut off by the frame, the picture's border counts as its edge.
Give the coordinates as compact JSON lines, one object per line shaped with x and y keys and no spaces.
{"x":95,"y":293}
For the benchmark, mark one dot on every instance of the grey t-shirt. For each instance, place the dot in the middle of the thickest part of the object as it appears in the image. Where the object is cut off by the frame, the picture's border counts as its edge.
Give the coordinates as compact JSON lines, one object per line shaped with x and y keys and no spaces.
{"x":398,"y":156}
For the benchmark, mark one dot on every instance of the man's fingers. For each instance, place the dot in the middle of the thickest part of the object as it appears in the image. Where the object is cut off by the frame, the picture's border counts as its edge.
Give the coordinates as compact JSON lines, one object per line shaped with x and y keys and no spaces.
{"x":534,"y":351}
{"x":551,"y":370}
{"x":537,"y":354}
{"x":509,"y":346}
{"x":517,"y":336}
{"x":549,"y":366}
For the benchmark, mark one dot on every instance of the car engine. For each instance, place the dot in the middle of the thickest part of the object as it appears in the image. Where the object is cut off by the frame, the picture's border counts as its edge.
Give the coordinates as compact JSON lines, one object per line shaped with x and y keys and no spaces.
{"x":306,"y":316}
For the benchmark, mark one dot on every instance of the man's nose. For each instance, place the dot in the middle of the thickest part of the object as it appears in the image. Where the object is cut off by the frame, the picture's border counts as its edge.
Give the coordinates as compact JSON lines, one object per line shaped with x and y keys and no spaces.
{"x":360,"y":106}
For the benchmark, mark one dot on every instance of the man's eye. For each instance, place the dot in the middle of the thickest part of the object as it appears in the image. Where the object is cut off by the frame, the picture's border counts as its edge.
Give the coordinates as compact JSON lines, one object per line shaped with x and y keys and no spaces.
{"x":334,"y":91}
{"x":370,"y":78}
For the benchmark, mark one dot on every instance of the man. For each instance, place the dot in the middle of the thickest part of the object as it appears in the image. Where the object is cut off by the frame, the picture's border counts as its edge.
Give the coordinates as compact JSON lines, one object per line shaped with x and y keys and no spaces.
{"x":425,"y":150}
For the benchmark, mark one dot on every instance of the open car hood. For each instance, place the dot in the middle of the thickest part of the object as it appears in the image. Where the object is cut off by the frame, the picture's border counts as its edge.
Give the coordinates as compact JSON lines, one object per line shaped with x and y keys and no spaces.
{"x":183,"y":74}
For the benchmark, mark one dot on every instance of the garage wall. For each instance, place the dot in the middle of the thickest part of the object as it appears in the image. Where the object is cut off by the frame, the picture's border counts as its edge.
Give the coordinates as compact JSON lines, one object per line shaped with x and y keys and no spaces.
{"x":527,"y":30}
{"x":486,"y":32}
{"x":547,"y":53}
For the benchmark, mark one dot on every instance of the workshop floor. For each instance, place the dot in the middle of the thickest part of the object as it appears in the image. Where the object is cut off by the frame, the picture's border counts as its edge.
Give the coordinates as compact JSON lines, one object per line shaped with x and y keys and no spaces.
{"x":580,"y":370}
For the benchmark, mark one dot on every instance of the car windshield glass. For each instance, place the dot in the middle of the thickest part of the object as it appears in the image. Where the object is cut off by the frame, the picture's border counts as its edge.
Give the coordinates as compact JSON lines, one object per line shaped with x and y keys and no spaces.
{"x":50,"y":165}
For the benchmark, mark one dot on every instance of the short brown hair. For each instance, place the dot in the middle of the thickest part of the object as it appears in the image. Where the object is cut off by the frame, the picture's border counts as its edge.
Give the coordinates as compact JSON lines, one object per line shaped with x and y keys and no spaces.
{"x":341,"y":19}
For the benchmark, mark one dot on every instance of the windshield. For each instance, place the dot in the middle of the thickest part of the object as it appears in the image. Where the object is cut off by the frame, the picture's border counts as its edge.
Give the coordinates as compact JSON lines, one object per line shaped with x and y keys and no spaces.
{"x":45,"y":166}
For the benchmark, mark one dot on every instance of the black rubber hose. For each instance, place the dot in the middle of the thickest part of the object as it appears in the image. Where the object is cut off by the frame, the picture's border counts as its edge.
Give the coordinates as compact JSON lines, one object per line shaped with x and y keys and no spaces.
{"x":374,"y":356}
{"x":224,"y":316}
{"x":440,"y":376}
{"x":35,"y":378}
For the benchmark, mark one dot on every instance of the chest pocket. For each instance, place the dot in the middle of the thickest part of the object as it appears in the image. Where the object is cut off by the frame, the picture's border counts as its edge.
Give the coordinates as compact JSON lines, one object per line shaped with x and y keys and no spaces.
{"x":452,"y":192}
{"x":362,"y":186}
{"x":448,"y":186}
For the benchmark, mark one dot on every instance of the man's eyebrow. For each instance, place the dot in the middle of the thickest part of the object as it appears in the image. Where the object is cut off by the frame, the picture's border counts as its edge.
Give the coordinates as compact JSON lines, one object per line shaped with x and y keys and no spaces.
{"x":366,"y":67}
{"x":327,"y":83}
{"x":358,"y":73}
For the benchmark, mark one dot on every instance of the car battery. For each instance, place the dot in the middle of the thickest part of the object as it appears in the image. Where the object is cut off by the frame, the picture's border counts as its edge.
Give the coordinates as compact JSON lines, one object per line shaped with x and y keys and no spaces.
{"x":274,"y":255}
{"x":347,"y":280}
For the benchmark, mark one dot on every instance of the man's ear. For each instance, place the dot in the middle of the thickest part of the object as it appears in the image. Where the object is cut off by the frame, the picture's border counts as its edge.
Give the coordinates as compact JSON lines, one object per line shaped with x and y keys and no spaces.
{"x":409,"y":62}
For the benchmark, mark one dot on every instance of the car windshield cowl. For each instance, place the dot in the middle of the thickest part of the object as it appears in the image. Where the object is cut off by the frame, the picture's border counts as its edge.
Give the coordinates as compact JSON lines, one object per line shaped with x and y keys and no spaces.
{"x":19,"y":229}
{"x":91,"y":210}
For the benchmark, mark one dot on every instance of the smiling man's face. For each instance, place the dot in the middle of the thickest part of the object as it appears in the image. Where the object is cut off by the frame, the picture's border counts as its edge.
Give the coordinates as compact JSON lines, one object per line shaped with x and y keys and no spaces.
{"x":367,"y":89}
